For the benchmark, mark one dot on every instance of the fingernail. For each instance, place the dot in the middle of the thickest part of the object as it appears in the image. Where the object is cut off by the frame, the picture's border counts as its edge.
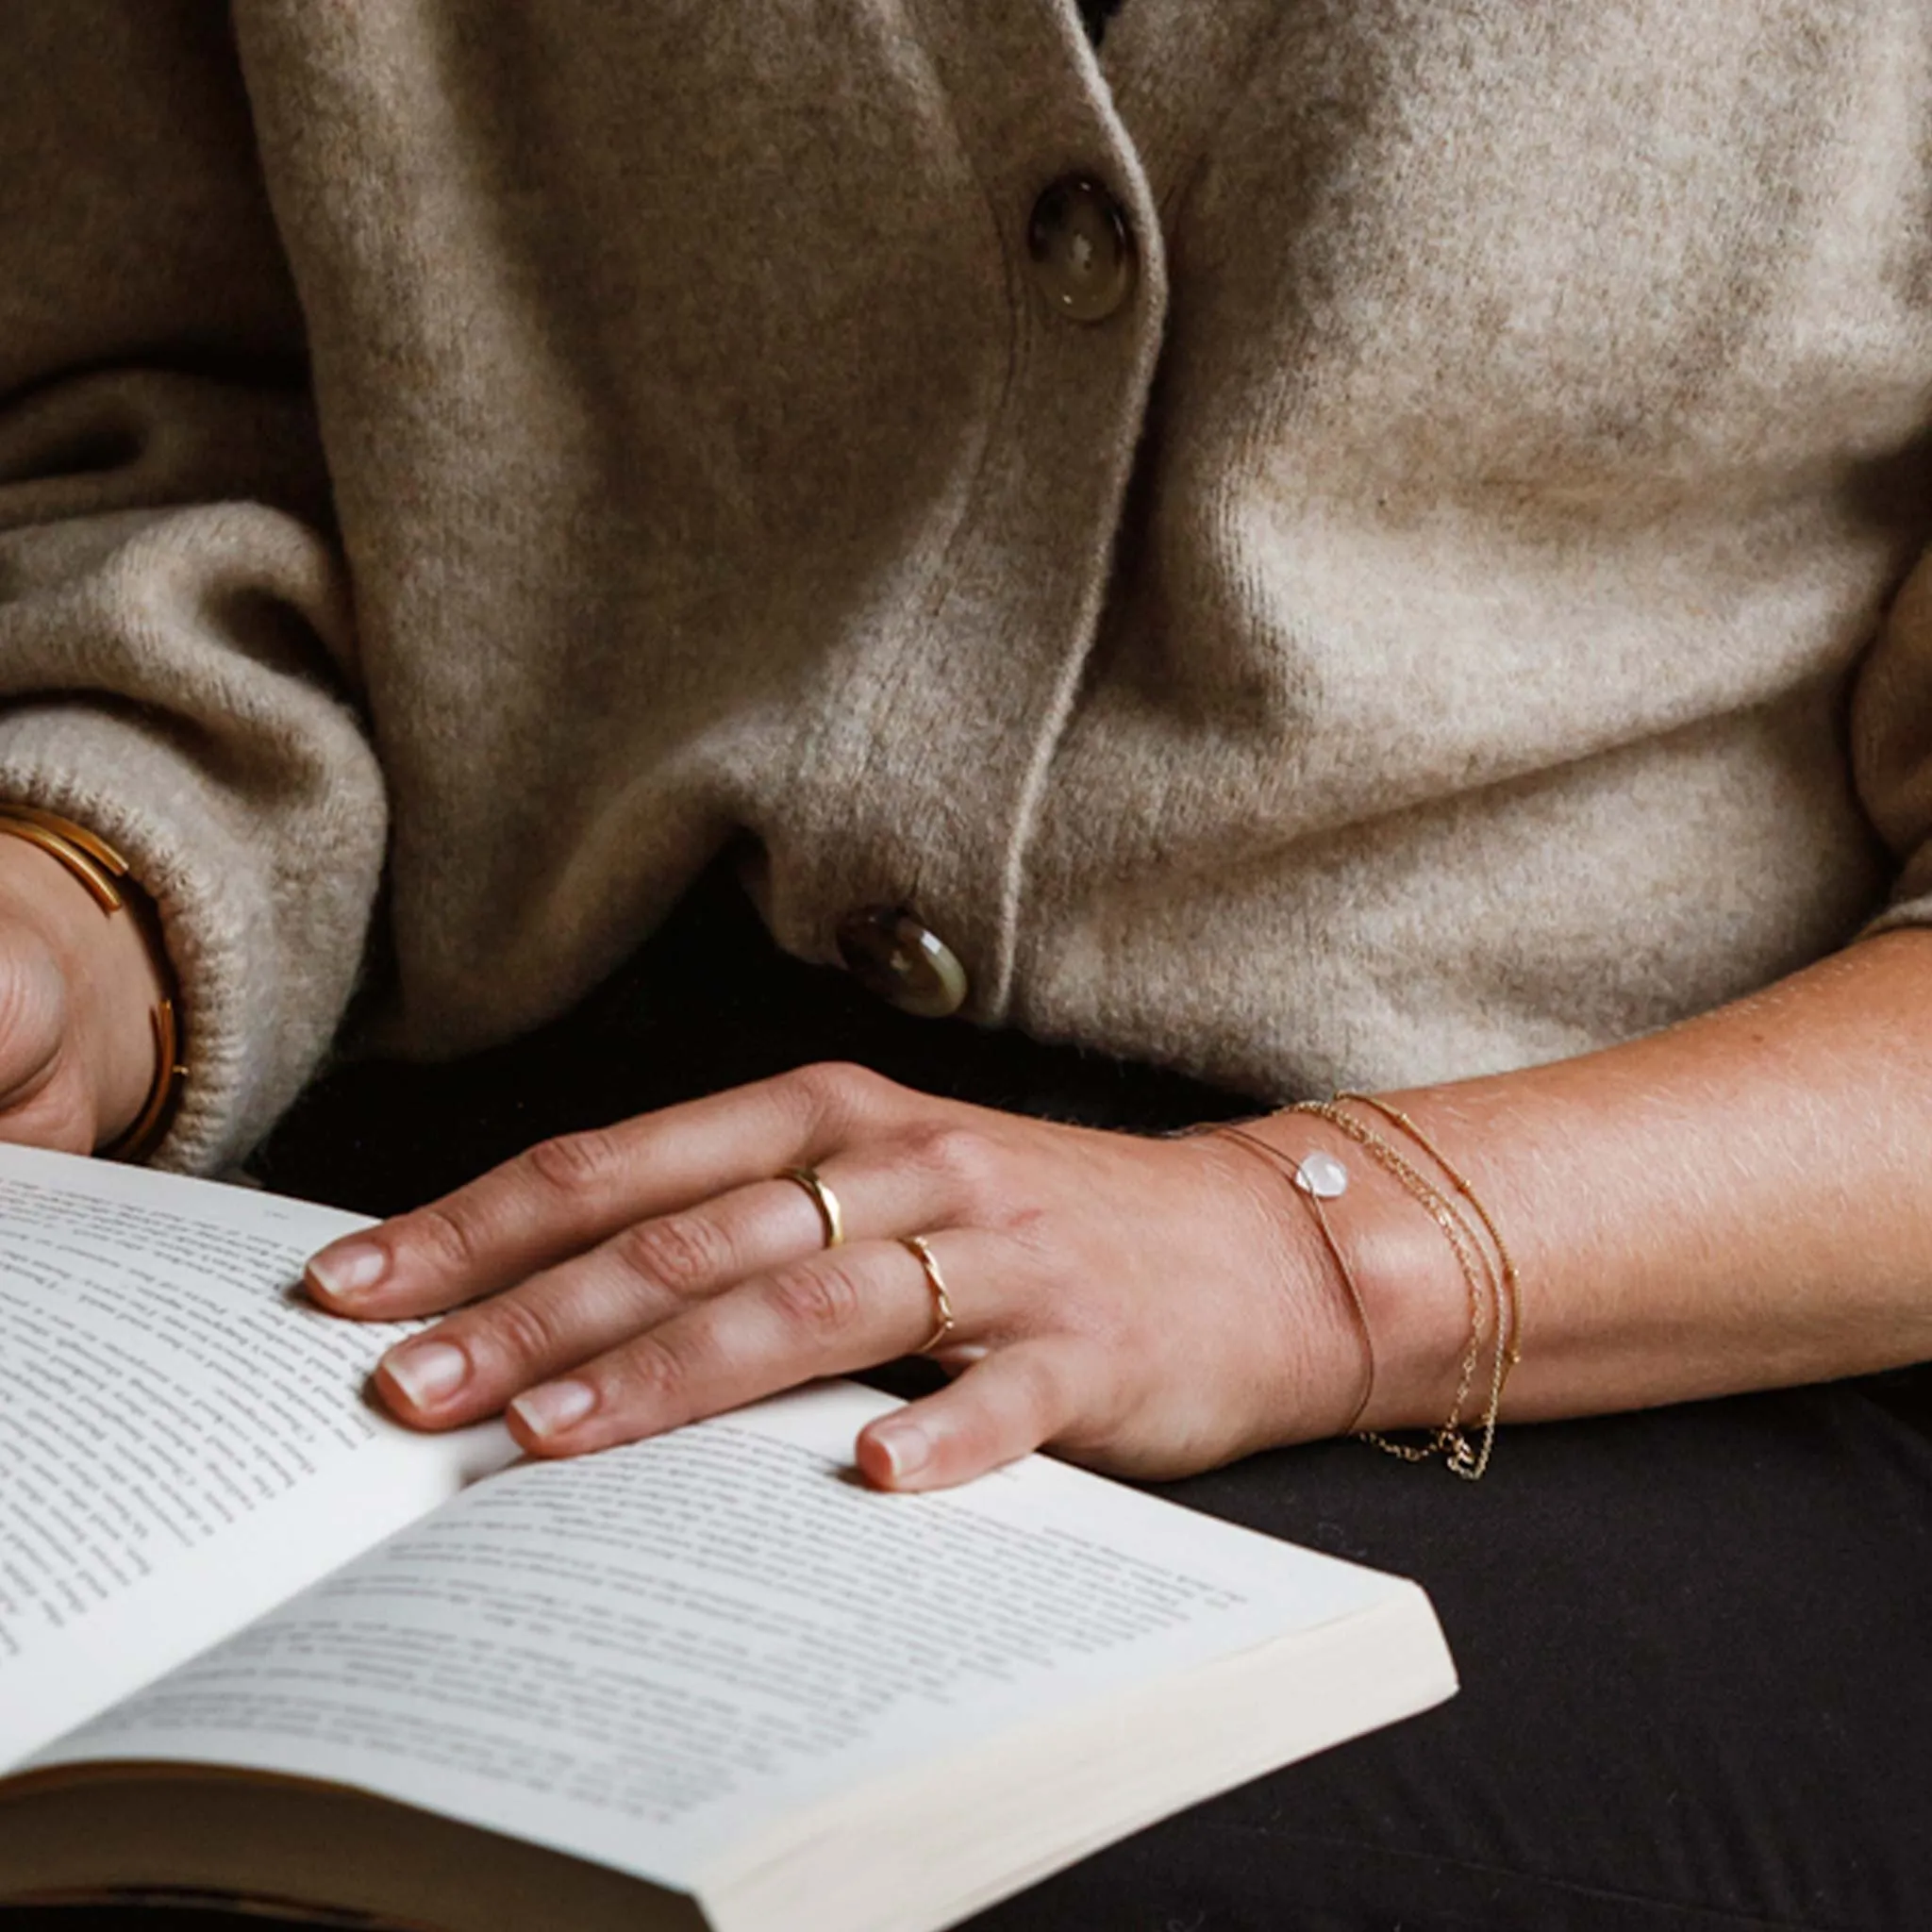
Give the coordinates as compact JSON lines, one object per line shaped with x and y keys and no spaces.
{"x":343,"y":1273}
{"x":554,"y":1406}
{"x":906,"y":1449}
{"x":426,"y":1372}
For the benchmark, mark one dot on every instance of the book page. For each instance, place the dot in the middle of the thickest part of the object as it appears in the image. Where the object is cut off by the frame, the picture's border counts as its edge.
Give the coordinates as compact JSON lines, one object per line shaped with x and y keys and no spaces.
{"x":184,"y":1441}
{"x":639,"y":1657}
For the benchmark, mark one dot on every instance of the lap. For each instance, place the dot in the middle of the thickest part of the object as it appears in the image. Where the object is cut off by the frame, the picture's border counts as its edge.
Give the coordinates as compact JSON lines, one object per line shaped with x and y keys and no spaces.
{"x":1697,"y":1691}
{"x":1697,"y":1687}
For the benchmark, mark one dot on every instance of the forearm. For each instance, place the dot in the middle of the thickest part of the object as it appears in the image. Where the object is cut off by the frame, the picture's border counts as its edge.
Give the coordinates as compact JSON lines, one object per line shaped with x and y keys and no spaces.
{"x":1740,"y":1202}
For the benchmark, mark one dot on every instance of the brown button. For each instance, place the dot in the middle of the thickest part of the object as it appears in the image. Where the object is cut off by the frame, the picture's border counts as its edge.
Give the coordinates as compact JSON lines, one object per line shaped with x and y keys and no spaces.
{"x":1082,"y":249}
{"x":890,"y":953}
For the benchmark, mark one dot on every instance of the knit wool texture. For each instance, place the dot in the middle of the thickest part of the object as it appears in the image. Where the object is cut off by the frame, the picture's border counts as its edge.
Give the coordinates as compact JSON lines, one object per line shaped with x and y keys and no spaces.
{"x":1448,"y":618}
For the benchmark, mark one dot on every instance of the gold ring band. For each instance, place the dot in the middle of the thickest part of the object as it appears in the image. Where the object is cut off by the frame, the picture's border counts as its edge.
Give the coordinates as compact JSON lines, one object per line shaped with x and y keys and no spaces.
{"x":823,"y":1198}
{"x":915,"y":1245}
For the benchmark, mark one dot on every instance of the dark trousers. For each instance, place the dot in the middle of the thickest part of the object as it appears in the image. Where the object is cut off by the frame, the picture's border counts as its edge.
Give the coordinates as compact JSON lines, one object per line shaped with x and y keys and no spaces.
{"x":1695,"y":1644}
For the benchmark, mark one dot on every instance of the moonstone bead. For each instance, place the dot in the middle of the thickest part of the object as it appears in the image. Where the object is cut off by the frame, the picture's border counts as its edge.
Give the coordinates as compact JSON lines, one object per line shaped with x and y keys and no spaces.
{"x":1321,"y":1176}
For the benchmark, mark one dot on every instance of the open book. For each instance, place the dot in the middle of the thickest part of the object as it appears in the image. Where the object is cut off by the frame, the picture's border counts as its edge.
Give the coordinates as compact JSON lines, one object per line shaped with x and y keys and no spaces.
{"x":258,"y":1642}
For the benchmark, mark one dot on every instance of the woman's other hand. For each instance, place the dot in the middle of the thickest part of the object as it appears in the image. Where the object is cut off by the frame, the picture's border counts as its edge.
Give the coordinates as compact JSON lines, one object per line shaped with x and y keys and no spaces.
{"x":1151,"y":1307}
{"x":76,"y":990}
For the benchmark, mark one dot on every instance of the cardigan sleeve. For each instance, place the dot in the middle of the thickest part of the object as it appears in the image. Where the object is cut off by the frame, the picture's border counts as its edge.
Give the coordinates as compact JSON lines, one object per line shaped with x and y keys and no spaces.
{"x":1892,"y":746}
{"x":176,"y":654}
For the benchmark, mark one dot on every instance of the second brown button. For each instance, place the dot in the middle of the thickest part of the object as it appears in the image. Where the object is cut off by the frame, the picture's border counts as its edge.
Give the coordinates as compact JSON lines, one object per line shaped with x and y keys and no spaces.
{"x":1082,"y":249}
{"x":890,"y":953}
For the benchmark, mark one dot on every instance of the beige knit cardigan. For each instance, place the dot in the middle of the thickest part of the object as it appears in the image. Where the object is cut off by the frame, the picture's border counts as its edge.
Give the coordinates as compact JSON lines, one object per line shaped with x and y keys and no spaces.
{"x":1449,"y":616}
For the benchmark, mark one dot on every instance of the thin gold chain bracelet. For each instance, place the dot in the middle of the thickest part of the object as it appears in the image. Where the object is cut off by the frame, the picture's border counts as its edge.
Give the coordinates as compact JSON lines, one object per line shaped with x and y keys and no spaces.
{"x":1492,"y":1297}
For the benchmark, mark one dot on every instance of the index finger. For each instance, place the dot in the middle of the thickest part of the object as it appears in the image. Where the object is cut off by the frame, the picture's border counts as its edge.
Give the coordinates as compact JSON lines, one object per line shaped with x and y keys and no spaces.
{"x":567,"y":1194}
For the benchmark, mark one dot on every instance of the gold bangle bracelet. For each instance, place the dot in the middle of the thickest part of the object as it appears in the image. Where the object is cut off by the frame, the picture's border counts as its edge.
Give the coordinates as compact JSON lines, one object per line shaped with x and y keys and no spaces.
{"x":110,"y":882}
{"x":108,"y":896}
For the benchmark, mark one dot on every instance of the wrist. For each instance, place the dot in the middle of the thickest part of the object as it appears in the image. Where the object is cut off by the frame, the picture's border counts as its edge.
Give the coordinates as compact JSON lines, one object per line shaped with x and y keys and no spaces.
{"x":109,"y":979}
{"x":1414,"y":1294}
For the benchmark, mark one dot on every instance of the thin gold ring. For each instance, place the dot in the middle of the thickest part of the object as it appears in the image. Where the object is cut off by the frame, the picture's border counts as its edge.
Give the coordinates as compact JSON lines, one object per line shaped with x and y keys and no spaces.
{"x":915,"y":1245}
{"x":822,"y":1199}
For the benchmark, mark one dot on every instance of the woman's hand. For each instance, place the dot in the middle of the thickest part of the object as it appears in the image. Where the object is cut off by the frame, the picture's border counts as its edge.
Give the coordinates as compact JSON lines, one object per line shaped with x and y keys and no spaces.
{"x":77,"y":988}
{"x":1152,"y":1307}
